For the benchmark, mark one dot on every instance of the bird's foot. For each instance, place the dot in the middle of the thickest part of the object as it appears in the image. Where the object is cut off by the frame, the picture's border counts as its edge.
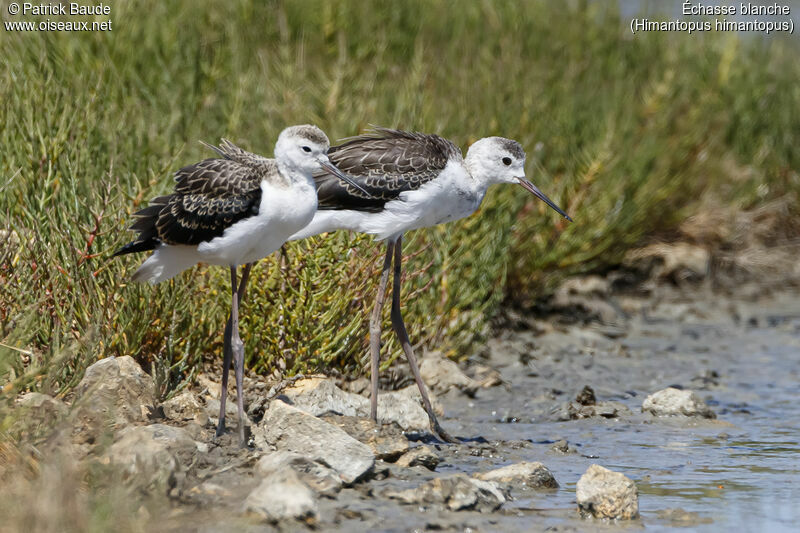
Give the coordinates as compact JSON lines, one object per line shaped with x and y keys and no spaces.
{"x":220,"y":429}
{"x":440,"y":432}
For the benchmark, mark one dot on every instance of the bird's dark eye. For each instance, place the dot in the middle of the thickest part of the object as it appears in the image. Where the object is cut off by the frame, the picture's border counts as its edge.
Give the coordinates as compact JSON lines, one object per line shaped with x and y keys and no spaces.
{"x":306,"y":149}
{"x":506,"y":161}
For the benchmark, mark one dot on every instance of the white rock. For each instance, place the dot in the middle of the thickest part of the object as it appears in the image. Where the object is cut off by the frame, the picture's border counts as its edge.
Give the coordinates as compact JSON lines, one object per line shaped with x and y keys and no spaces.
{"x":113,"y":393}
{"x":282,"y":495}
{"x":399,"y":407}
{"x":458,"y":492}
{"x":288,"y":428}
{"x":318,"y":396}
{"x":603,"y":493}
{"x":532,"y":475}
{"x":37,"y":400}
{"x":676,"y":402}
{"x":36,"y":416}
{"x":404,"y":408}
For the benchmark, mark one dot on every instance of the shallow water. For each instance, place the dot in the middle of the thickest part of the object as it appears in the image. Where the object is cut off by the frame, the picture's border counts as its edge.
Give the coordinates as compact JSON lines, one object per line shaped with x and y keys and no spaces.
{"x":740,"y":471}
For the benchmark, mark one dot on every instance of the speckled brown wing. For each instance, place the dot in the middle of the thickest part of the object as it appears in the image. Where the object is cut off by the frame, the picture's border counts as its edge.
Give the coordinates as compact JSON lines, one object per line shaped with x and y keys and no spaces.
{"x":384,"y":163}
{"x":209,"y":197}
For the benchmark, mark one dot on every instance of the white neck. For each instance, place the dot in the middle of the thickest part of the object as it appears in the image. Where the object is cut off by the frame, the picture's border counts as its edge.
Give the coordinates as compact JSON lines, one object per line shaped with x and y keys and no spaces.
{"x":294,"y":175}
{"x":478,"y":173}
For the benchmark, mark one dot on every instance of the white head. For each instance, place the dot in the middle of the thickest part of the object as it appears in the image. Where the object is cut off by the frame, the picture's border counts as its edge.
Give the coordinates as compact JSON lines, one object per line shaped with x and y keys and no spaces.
{"x":304,"y":150}
{"x":498,"y":160}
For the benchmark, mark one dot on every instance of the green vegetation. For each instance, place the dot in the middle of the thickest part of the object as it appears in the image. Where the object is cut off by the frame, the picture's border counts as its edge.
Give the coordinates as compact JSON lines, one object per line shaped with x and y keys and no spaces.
{"x":624,"y":132}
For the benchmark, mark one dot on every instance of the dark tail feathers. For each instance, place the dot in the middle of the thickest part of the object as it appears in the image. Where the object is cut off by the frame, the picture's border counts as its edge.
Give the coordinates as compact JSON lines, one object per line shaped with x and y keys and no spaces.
{"x":137,"y":246}
{"x":146,"y":220}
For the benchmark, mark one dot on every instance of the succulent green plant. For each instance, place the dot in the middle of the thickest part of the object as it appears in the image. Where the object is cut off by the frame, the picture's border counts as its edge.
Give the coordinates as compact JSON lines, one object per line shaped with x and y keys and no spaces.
{"x":624,"y":132}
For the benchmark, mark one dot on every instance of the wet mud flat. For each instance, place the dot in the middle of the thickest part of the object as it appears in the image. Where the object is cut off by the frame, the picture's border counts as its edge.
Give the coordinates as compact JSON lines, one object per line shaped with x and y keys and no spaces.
{"x":568,"y":390}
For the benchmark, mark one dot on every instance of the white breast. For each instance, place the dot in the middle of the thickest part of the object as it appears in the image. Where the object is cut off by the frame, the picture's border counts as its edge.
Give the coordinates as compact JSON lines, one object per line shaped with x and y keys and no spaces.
{"x":452,"y":195}
{"x":283,"y":211}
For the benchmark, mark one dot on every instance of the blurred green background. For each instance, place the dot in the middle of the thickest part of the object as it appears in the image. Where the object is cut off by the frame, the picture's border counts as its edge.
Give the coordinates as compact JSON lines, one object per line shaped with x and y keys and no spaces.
{"x":625,"y":132}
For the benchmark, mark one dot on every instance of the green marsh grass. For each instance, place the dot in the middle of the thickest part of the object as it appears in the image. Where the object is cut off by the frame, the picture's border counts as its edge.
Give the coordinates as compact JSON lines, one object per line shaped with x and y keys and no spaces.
{"x":625,"y":132}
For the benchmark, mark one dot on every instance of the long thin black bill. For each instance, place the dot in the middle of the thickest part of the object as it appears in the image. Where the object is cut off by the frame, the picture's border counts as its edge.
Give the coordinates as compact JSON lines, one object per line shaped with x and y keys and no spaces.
{"x":330,"y":167}
{"x":533,"y":189}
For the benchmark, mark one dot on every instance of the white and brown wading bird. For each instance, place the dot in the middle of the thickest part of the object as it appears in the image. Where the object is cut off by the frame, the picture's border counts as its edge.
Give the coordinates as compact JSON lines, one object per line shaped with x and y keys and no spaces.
{"x":408,"y":181}
{"x":233,"y":211}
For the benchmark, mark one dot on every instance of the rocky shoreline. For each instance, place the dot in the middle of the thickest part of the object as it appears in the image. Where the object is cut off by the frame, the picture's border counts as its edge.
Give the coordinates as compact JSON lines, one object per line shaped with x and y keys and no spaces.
{"x":310,"y":442}
{"x":547,"y":416}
